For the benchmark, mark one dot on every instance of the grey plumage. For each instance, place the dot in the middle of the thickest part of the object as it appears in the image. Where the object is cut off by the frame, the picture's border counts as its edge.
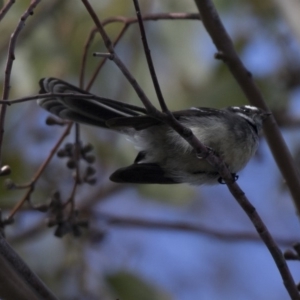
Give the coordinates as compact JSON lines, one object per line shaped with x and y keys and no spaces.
{"x":164,"y":157}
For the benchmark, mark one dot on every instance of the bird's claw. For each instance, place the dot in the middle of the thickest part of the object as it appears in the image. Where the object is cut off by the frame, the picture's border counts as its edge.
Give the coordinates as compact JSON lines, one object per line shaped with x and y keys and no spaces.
{"x":235,"y":177}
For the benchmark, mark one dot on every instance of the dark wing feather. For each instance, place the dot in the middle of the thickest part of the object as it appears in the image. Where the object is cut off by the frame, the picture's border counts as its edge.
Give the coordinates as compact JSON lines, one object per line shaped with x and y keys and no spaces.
{"x":138,"y":123}
{"x":92,"y":111}
{"x":198,"y":112}
{"x":141,"y":173}
{"x":143,"y":122}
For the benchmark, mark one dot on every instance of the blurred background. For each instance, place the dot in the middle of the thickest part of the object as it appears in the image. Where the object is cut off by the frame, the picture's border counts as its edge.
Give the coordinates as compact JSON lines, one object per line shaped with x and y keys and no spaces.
{"x":114,"y":258}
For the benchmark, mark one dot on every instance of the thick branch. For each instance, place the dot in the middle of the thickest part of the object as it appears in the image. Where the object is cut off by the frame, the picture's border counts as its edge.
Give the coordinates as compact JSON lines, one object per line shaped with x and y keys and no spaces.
{"x":275,"y":140}
{"x":17,"y":280}
{"x":224,"y":44}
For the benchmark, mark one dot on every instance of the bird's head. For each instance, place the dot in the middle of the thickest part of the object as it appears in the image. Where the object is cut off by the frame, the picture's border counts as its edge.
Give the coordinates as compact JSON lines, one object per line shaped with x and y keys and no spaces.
{"x":253,"y":115}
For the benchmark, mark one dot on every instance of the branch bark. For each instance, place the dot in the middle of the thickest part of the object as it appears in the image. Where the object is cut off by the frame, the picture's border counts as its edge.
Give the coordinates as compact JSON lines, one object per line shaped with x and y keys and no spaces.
{"x":17,"y":281}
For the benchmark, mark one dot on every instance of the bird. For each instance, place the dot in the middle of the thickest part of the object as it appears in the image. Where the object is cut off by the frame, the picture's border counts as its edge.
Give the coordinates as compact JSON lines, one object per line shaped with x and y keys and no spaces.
{"x":164,"y":157}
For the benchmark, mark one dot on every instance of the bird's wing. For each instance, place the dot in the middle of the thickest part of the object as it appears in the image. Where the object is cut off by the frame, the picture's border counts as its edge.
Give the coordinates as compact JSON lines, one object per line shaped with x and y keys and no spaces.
{"x":143,"y":121}
{"x":142,"y":173}
{"x":103,"y":112}
{"x":199,"y":112}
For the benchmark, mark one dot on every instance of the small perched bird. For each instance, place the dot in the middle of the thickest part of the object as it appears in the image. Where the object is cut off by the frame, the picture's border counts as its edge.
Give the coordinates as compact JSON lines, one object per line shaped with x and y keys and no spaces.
{"x":164,"y":156}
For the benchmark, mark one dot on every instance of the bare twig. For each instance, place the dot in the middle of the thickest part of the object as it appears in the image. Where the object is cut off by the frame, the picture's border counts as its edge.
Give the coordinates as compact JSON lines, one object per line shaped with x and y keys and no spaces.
{"x":160,"y":97}
{"x":85,"y":206}
{"x":9,"y":64}
{"x":101,"y":64}
{"x":118,"y":221}
{"x":39,"y":172}
{"x":6,"y":8}
{"x":147,"y":103}
{"x":127,"y":22}
{"x":45,"y":13}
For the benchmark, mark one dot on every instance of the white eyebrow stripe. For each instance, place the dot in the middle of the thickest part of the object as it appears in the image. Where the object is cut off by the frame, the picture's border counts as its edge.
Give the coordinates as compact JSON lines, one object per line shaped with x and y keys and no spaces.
{"x":251,"y":107}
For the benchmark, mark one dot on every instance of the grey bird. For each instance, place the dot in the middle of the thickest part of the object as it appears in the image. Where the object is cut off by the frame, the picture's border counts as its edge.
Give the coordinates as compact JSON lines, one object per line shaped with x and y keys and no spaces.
{"x":164,"y":157}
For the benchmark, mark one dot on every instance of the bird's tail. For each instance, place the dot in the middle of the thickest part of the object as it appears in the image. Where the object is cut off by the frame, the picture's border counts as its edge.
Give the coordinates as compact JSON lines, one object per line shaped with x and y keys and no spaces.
{"x":89,"y":109}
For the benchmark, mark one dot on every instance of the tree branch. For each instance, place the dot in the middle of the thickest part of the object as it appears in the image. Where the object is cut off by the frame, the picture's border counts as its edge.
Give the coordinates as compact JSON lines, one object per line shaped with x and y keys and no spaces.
{"x":17,"y":280}
{"x":224,"y":44}
{"x":281,"y":154}
{"x":119,"y":221}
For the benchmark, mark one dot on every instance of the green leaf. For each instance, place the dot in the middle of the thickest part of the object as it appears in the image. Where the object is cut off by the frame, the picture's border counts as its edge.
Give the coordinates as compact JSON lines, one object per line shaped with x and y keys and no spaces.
{"x":128,"y":286}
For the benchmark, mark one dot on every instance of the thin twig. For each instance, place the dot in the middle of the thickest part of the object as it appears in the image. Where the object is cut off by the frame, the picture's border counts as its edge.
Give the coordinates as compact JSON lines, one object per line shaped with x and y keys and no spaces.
{"x":147,"y":103}
{"x":40,"y":171}
{"x":9,"y":64}
{"x":86,"y":49}
{"x":127,"y":22}
{"x":86,"y":208}
{"x":119,"y":221}
{"x":49,"y":8}
{"x":6,"y":8}
{"x":160,"y":97}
